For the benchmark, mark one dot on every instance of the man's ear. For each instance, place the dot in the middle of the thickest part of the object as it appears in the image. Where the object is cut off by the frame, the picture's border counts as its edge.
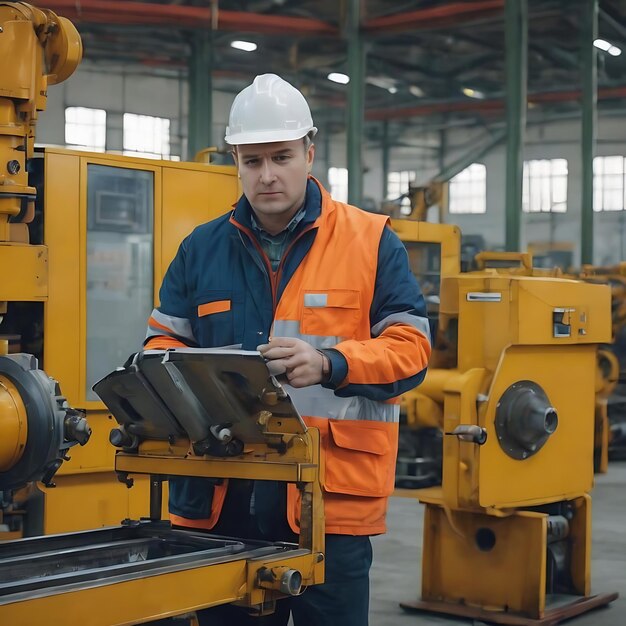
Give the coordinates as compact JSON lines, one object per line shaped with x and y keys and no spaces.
{"x":310,"y":157}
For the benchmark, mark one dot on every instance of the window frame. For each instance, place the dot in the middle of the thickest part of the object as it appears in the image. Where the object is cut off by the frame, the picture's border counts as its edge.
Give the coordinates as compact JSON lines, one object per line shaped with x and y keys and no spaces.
{"x":470,"y":178}
{"x":97,"y":128}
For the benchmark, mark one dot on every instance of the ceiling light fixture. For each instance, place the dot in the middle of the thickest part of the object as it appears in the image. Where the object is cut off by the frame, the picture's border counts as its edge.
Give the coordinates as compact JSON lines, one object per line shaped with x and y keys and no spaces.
{"x":338,"y":77}
{"x":473,"y":93}
{"x":246,"y":46}
{"x":392,"y":90}
{"x":416,"y":91}
{"x":607,"y":46}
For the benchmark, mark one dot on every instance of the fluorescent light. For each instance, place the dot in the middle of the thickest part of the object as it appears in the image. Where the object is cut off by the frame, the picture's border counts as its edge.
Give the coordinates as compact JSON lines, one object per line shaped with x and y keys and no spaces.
{"x":602,"y":44}
{"x":472,"y":93}
{"x":338,"y":77}
{"x":416,"y":91}
{"x":246,"y":46}
{"x":607,"y":46}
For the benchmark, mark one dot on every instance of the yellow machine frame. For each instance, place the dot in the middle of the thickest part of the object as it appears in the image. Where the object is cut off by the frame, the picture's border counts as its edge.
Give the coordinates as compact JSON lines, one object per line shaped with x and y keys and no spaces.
{"x":185,"y":195}
{"x":254,"y":583}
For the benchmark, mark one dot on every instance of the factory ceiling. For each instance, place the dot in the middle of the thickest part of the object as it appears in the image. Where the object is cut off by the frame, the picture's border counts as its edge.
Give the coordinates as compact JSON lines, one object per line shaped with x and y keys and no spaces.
{"x":425,"y":59}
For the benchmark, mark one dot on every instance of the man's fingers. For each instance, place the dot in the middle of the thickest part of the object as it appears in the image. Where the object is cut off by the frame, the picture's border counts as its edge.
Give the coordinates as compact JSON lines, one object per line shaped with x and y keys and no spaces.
{"x":276,"y":352}
{"x":278,"y":342}
{"x":276,"y":367}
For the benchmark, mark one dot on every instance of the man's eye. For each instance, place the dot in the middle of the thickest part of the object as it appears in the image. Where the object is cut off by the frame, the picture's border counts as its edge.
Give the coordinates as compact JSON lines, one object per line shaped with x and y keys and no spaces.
{"x":251,"y":162}
{"x":282,"y":157}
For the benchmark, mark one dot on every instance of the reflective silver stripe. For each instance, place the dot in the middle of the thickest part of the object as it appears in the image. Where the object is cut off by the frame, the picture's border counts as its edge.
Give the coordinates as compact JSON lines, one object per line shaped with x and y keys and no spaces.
{"x":315,"y":299}
{"x":179,"y":326}
{"x":291,"y":328}
{"x":316,"y":401}
{"x":421,"y":323}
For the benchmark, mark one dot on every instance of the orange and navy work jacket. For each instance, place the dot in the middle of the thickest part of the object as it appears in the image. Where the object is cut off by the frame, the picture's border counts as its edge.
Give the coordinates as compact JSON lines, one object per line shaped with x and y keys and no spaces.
{"x":344,"y":285}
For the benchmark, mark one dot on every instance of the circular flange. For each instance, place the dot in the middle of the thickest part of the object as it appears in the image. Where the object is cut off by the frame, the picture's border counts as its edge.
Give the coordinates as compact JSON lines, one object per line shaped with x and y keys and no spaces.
{"x":525,"y":419}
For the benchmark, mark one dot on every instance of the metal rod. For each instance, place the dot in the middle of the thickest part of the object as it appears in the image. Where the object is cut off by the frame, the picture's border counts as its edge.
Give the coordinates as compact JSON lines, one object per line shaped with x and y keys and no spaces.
{"x":200,"y":118}
{"x":589,"y":32}
{"x":516,"y":37}
{"x":156,"y":497}
{"x":386,"y":150}
{"x":356,"y":102}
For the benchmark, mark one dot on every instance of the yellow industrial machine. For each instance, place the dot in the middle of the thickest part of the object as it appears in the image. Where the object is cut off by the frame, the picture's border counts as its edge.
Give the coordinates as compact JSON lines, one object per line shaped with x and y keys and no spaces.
{"x":232,"y":420}
{"x":511,"y":384}
{"x":37,"y":425}
{"x":611,"y":406}
{"x":419,"y":459}
{"x":434,"y":253}
{"x":87,"y":239}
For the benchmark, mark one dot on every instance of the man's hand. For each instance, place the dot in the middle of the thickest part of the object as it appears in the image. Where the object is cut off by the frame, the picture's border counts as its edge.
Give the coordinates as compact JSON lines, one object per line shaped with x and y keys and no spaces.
{"x":299,"y":361}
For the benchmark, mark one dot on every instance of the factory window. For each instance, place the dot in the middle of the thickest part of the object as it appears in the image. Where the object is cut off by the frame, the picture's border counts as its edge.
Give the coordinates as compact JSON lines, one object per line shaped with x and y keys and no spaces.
{"x":146,"y":136}
{"x":338,"y":181}
{"x":468,"y":190}
{"x":545,"y":186}
{"x":397,"y":186}
{"x":86,"y":128}
{"x":609,"y":175}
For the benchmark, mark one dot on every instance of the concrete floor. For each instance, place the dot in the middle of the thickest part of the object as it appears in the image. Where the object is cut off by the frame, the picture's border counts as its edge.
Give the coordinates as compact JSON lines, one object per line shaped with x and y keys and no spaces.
{"x":395,"y":574}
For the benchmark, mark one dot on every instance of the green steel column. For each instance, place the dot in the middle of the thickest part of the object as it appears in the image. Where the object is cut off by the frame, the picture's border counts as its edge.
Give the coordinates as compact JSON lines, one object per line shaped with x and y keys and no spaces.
{"x":200,"y":117}
{"x":356,"y":102}
{"x":385,"y":150}
{"x":516,"y":35}
{"x":443,"y":148}
{"x":327,"y":136}
{"x":589,"y":32}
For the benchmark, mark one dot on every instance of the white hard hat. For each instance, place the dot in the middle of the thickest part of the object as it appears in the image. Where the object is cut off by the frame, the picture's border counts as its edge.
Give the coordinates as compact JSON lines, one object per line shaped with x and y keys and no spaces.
{"x":268,"y":110}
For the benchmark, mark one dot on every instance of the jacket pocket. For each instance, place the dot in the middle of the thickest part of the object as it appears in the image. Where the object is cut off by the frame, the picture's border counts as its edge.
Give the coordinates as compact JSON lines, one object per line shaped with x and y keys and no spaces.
{"x":360,"y":458}
{"x":219,"y":318}
{"x":334,"y":312}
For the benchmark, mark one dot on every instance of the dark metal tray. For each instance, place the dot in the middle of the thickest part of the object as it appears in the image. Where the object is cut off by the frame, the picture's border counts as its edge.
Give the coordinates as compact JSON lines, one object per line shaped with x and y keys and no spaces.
{"x":43,"y":564}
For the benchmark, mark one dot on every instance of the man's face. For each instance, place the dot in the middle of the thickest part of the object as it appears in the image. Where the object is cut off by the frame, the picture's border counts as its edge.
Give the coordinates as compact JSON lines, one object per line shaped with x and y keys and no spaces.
{"x":274,"y":176}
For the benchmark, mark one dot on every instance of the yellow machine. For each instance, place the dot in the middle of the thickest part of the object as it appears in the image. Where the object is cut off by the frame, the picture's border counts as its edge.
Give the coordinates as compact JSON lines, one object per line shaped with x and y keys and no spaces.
{"x":611,"y":406}
{"x":511,"y":385}
{"x":37,"y":425}
{"x":434,"y":252}
{"x":232,"y":421}
{"x":85,"y":240}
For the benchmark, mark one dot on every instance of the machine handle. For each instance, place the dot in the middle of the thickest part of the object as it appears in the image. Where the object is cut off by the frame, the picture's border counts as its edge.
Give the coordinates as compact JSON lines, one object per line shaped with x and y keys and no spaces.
{"x":471,"y":433}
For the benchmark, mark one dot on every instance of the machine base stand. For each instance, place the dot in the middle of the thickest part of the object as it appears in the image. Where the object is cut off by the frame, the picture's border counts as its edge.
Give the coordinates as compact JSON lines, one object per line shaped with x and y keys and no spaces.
{"x":552,"y":615}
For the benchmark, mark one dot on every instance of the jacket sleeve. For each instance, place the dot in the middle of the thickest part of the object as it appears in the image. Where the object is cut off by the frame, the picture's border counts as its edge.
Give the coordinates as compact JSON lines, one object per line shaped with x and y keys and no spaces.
{"x":396,"y":357}
{"x":169,"y":325}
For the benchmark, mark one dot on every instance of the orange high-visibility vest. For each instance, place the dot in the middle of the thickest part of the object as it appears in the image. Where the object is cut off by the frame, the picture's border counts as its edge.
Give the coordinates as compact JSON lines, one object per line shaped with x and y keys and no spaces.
{"x":327,"y":303}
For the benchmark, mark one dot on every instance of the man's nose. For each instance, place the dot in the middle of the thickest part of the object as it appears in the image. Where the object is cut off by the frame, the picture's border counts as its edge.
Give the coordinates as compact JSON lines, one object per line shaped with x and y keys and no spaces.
{"x":267,"y":176}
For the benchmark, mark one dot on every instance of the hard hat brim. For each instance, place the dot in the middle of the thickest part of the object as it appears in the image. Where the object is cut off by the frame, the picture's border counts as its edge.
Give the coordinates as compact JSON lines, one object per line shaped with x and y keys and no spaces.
{"x":270,"y":136}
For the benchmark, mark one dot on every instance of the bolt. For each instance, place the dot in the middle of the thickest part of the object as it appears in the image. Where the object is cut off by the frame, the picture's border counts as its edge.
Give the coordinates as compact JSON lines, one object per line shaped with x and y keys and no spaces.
{"x":263,"y":418}
{"x":13,"y":167}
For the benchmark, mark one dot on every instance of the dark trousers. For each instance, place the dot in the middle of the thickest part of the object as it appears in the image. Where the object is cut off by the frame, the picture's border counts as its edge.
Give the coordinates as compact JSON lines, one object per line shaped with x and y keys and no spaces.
{"x":343,"y":600}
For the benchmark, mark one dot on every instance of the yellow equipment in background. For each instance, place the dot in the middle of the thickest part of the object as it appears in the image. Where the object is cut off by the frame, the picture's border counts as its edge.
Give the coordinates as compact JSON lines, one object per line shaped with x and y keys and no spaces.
{"x":37,"y":49}
{"x":611,"y":418}
{"x":434,"y":253}
{"x":511,"y":385}
{"x":85,"y":240}
{"x":37,"y":425}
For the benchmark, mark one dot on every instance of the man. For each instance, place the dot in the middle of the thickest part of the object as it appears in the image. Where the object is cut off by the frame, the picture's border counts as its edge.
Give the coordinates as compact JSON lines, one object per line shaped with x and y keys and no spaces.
{"x":324,"y":291}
